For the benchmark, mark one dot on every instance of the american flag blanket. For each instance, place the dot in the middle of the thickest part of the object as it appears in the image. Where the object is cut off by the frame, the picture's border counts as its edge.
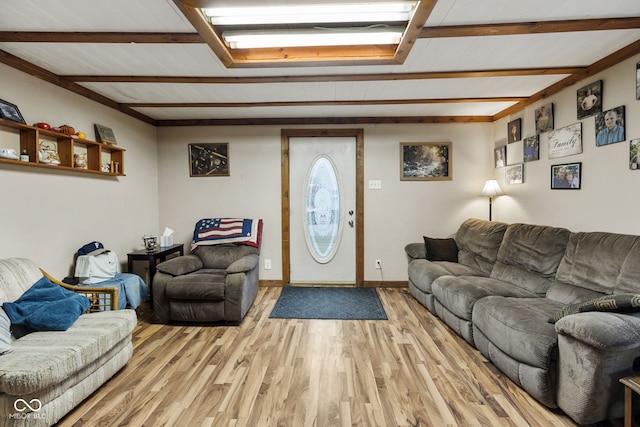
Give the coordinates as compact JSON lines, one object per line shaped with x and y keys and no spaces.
{"x":217,"y":231}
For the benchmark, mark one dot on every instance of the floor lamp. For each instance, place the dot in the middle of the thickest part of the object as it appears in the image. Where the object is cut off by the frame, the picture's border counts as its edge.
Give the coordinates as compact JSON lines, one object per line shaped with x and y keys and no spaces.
{"x":491,"y":189}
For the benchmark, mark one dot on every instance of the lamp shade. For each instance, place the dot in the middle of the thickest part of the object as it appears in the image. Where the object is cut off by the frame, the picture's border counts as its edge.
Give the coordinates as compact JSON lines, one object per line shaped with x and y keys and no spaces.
{"x":491,"y":189}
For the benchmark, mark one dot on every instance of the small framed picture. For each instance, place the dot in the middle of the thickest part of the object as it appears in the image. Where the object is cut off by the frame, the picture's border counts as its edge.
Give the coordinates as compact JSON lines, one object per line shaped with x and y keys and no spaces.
{"x":209,"y":159}
{"x":500,"y":156}
{"x":589,"y":99}
{"x":514,"y":130}
{"x":531,"y":148}
{"x":610,"y":126}
{"x":638,"y":81}
{"x":425,"y":161}
{"x":634,"y":154}
{"x":566,"y":176}
{"x":565,"y":141}
{"x":544,"y":118}
{"x":9,"y":111}
{"x":514,"y":174}
{"x":105,"y":135}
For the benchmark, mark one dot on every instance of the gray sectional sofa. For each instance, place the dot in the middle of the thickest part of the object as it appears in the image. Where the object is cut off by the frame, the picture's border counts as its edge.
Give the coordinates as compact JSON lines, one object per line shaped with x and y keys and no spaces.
{"x":556,"y":311}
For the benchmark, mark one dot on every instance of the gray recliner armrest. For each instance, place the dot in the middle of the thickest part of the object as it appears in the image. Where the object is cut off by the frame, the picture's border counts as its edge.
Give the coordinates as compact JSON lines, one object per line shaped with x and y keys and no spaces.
{"x":180,"y":265}
{"x":415,"y":251}
{"x":244,"y":264}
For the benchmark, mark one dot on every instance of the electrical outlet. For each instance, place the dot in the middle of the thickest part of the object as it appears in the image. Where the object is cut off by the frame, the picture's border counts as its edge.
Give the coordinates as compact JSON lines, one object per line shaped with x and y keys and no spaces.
{"x":378,"y":263}
{"x":267,"y":264}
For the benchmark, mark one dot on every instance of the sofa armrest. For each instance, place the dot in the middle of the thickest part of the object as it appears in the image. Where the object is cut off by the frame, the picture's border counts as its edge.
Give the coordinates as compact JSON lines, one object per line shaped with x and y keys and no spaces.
{"x":415,"y":251}
{"x":244,"y":264}
{"x":605,"y":331}
{"x":180,"y":265}
{"x":97,"y":296}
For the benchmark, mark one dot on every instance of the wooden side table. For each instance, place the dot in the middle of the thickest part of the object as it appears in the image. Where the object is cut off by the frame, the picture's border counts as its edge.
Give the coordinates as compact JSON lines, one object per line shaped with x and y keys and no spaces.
{"x":631,"y":385}
{"x":152,"y":257}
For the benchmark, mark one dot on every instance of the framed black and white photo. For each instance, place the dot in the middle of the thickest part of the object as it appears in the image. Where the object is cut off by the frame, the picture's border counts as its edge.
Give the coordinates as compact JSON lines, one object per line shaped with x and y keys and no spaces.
{"x":9,"y":111}
{"x":565,"y":141}
{"x":610,"y":126}
{"x":589,"y":99}
{"x":425,"y":161}
{"x":209,"y":159}
{"x":514,"y":129}
{"x":514,"y":174}
{"x":531,"y":148}
{"x":566,"y":176}
{"x":544,"y":118}
{"x":500,"y":156}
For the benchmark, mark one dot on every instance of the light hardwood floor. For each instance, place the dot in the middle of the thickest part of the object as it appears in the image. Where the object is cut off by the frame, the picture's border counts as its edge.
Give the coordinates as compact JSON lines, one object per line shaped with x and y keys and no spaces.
{"x":408,"y":371}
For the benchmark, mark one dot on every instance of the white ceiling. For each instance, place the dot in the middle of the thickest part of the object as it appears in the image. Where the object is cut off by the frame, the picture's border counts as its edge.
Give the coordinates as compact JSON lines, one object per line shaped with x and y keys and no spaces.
{"x":312,"y":98}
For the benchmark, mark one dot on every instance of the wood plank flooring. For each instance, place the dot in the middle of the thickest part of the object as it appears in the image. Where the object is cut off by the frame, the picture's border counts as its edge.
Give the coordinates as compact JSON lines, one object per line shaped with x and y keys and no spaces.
{"x":408,"y":371}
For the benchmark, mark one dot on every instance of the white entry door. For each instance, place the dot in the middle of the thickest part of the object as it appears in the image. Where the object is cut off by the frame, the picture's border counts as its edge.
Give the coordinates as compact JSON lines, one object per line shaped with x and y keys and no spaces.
{"x":322,"y":187}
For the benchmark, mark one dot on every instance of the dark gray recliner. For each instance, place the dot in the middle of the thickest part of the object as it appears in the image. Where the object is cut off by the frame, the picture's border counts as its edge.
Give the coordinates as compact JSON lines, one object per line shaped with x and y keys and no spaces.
{"x":216,"y":283}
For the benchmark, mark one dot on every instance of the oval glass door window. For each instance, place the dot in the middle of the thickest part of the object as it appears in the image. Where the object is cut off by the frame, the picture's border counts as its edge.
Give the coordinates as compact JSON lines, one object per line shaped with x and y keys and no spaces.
{"x":322,"y":222}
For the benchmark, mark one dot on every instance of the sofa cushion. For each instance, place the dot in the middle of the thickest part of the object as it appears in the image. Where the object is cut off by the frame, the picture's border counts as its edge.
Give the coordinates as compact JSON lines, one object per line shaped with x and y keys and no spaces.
{"x":441,"y":249}
{"x":620,"y":303}
{"x":180,"y":265}
{"x":422,"y":272}
{"x":529,"y":256}
{"x":478,"y":244}
{"x":197,"y":286}
{"x":42,"y":360}
{"x":221,"y":256}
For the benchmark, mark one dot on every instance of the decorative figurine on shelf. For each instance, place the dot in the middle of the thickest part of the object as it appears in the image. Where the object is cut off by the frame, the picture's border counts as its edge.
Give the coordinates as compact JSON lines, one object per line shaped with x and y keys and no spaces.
{"x":80,"y":161}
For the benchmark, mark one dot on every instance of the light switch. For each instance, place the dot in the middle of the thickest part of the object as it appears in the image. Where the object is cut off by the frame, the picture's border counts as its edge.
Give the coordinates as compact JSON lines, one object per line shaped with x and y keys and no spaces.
{"x":375,"y":184}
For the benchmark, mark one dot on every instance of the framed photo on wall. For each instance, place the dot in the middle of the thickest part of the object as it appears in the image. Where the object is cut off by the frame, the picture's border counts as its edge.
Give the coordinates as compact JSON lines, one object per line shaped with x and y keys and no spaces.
{"x":566,"y":176}
{"x":565,"y":141}
{"x":514,"y":129}
{"x":531,"y":148}
{"x":500,"y":156}
{"x":634,"y":154}
{"x":209,"y":159}
{"x":638,"y":81}
{"x":544,"y":118}
{"x":610,"y":126}
{"x":425,"y":161}
{"x":9,"y":111}
{"x":514,"y":174}
{"x":589,"y":99}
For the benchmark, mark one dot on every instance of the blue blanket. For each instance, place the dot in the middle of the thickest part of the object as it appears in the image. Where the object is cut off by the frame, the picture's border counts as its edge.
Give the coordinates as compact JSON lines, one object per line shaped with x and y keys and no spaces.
{"x":46,"y":307}
{"x":131,"y":289}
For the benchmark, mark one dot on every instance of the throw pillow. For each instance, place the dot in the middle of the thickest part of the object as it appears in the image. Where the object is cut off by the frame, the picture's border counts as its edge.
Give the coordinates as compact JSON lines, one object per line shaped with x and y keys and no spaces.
{"x":46,"y":306}
{"x":621,"y":303}
{"x":441,"y":249}
{"x":5,"y":333}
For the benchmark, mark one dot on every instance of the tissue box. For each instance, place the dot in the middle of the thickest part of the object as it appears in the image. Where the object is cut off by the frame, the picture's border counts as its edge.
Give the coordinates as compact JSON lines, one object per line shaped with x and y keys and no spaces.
{"x":166,"y":241}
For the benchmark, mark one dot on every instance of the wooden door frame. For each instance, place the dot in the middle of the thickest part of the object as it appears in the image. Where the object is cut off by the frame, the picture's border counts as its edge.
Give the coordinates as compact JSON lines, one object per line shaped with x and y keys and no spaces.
{"x":286,"y":134}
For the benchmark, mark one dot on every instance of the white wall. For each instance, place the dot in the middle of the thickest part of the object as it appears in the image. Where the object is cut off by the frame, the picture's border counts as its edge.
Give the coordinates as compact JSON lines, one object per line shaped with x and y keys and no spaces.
{"x":399,"y":213}
{"x":47,"y":215}
{"x":608,"y":198}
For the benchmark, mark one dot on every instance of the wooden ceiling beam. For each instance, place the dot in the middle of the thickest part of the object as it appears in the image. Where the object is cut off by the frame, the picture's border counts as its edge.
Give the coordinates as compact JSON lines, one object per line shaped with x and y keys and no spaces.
{"x":97,"y":37}
{"x":325,"y":121}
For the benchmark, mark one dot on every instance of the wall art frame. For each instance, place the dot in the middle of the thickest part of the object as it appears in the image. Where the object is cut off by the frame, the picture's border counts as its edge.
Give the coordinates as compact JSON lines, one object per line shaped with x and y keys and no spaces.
{"x":9,"y":111}
{"x":544,"y":118}
{"x":514,"y":174}
{"x":209,"y":159}
{"x":610,"y":126}
{"x":514,"y":131}
{"x":565,"y":141}
{"x":634,"y":154}
{"x":105,"y":135}
{"x":426,"y":161}
{"x":566,"y":176}
{"x":589,"y":99}
{"x":531,"y":148}
{"x":500,"y":156}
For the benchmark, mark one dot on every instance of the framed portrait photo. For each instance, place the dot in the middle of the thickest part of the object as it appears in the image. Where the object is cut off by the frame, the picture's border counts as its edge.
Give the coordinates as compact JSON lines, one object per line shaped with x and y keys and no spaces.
{"x":209,"y":159}
{"x":425,"y":161}
{"x":544,"y":118}
{"x":514,"y":174}
{"x":634,"y":154}
{"x":531,"y":148}
{"x":9,"y":111}
{"x":610,"y":126}
{"x":589,"y":99}
{"x":566,"y":176}
{"x":500,"y":156}
{"x":514,"y":129}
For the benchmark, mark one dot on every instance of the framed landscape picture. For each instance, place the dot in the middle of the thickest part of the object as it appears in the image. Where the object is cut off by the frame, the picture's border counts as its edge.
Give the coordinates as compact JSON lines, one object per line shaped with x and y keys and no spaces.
{"x":610,"y":126}
{"x":514,"y":174}
{"x":425,"y":161}
{"x":589,"y":100}
{"x":209,"y":159}
{"x":566,"y":176}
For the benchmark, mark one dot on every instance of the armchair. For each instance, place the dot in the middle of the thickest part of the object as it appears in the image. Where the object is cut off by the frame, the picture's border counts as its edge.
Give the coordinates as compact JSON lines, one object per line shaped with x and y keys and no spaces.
{"x":216,"y":283}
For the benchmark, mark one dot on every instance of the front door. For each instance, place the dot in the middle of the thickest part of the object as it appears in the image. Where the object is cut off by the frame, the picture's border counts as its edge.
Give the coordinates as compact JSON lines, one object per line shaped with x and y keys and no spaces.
{"x":322,"y":185}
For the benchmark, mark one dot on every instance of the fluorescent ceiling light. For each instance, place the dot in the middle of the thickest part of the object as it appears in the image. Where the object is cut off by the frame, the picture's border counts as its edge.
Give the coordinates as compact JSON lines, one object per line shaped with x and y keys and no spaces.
{"x":320,"y":13}
{"x":302,"y":38}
